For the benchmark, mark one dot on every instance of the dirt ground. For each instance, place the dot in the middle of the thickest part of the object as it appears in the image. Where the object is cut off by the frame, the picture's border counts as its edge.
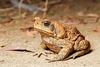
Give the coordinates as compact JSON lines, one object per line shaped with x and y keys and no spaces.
{"x":11,"y":36}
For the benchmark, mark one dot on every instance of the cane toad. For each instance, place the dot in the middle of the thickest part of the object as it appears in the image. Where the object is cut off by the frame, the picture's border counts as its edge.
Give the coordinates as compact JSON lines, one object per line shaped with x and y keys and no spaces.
{"x":64,"y":40}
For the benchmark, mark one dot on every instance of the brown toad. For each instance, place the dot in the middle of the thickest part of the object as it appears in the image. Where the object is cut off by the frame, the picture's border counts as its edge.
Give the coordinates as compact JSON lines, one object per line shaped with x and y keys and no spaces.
{"x":60,"y":39}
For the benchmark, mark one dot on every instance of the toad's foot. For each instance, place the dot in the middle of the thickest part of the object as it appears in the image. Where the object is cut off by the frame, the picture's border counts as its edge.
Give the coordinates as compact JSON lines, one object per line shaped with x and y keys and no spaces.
{"x":77,"y":54}
{"x":42,"y":52}
{"x":71,"y":57}
{"x":55,"y":58}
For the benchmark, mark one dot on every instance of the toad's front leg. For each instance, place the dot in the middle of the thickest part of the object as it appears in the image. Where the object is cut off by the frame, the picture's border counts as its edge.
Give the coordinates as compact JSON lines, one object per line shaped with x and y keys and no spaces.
{"x":42,"y":50}
{"x":64,"y":52}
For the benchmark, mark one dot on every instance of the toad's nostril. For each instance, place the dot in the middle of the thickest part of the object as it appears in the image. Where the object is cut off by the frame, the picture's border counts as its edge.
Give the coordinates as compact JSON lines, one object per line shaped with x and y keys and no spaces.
{"x":34,"y":20}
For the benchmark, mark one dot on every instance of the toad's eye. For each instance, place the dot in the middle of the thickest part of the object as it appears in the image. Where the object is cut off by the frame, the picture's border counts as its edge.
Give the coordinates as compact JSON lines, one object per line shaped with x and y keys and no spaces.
{"x":46,"y":23}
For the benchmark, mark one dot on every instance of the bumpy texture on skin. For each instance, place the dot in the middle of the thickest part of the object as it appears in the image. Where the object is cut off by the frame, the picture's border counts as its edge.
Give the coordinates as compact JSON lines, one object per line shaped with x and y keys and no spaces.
{"x":60,"y":39}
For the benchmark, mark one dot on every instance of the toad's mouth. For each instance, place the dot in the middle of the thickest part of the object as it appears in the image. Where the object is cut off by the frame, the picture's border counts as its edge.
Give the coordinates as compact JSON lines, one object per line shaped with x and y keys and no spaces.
{"x":44,"y":32}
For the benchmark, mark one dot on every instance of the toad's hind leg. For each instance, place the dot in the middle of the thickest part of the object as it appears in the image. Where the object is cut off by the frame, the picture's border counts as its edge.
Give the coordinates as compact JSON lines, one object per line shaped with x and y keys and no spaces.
{"x":82,"y":48}
{"x":64,"y":52}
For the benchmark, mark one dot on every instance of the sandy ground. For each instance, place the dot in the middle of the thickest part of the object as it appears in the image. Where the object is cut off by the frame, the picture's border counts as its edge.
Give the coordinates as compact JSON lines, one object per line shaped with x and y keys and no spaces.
{"x":11,"y":36}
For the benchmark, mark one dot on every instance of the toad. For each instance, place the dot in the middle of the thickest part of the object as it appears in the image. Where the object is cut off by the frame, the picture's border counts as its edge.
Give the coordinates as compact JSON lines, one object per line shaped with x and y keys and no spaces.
{"x":64,"y":40}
